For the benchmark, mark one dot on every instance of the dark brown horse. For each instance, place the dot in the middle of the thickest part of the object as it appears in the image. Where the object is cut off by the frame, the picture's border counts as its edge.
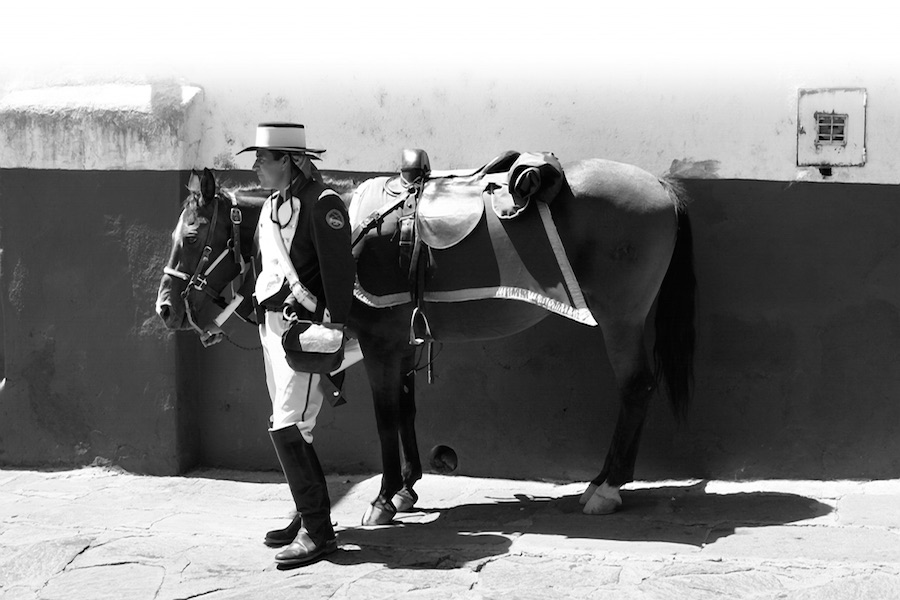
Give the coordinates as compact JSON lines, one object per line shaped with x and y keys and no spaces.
{"x":628,"y":238}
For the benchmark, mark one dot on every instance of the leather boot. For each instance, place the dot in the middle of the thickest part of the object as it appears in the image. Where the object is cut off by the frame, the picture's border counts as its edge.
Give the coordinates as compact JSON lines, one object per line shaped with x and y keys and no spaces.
{"x":283,"y":537}
{"x":310,"y":491}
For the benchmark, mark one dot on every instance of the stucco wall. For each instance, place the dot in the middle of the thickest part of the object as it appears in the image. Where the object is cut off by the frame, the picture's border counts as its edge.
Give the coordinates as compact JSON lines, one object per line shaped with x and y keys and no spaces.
{"x":714,"y":87}
{"x":696,"y":127}
{"x":798,"y":337}
{"x":797,"y":305}
{"x":90,"y":371}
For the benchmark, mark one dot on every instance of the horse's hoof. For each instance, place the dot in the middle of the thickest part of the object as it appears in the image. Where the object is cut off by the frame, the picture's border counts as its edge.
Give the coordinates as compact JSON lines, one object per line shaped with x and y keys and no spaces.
{"x":605,"y":501}
{"x":588,"y":493}
{"x":405,"y":499}
{"x":379,"y":513}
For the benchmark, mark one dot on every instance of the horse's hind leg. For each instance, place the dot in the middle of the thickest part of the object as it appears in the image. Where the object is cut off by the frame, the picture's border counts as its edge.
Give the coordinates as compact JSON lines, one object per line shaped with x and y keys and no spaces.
{"x":411,"y":472}
{"x":636,"y":384}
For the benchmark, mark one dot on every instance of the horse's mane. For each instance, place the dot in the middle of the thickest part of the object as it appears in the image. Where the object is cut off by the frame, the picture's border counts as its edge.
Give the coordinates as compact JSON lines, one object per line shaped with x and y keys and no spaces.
{"x":251,"y":194}
{"x":247,"y":194}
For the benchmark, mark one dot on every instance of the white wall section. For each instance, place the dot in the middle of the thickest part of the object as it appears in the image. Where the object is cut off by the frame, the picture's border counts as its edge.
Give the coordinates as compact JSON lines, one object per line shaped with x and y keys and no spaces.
{"x":694,"y":87}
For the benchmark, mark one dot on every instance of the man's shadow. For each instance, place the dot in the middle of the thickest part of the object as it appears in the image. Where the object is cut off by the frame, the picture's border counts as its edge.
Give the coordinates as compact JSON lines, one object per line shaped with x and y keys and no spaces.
{"x":448,"y":538}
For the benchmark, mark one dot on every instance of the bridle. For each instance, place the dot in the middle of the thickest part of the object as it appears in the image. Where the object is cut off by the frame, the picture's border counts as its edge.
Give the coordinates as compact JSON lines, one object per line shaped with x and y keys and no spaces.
{"x":199,"y":279}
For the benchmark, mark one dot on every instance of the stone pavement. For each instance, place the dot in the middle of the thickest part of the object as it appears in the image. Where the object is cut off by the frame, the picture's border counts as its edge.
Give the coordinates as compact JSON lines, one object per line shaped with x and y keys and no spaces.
{"x":98,"y":533}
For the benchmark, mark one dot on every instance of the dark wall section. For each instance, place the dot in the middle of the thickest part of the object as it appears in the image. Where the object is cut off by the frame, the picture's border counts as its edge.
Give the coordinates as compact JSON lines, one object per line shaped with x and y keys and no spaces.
{"x":797,"y":366}
{"x":799,"y":362}
{"x":797,"y":370}
{"x":797,"y":358}
{"x":90,"y":369}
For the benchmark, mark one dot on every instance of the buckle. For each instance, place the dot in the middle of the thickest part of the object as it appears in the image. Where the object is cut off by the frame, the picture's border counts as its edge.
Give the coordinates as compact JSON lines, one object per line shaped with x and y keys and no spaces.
{"x":236,"y":216}
{"x":289,"y":314}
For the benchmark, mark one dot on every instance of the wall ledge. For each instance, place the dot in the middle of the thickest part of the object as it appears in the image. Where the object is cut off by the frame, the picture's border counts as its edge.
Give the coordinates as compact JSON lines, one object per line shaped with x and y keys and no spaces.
{"x":108,"y":126}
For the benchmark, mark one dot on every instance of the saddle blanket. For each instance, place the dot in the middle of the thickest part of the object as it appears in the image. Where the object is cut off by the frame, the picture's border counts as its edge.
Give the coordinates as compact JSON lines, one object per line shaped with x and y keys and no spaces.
{"x":514,"y":259}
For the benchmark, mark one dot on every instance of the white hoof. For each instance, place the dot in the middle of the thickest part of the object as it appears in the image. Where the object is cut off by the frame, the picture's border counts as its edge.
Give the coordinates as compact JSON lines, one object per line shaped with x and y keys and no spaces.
{"x":606,"y":500}
{"x":588,"y":493}
{"x":379,"y":514}
{"x":403,"y":500}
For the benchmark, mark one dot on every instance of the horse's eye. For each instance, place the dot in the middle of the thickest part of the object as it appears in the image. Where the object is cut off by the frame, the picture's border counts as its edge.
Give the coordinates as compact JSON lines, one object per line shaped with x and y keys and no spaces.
{"x":191,"y":238}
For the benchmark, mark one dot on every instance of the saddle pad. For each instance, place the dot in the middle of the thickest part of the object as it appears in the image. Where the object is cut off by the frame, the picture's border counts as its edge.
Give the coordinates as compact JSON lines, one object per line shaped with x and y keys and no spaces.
{"x":514,"y":259}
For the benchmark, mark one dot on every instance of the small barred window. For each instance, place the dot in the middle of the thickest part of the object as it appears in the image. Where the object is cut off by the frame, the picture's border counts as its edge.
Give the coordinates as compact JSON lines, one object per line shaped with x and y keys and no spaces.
{"x":831,"y":129}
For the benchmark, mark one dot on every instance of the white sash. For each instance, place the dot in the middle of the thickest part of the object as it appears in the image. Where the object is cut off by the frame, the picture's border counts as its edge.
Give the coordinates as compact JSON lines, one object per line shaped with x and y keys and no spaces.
{"x":277,"y":264}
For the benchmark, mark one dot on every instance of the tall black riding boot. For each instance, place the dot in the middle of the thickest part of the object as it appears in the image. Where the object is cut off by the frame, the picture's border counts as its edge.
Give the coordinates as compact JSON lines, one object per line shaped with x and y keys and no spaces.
{"x":304,"y":475}
{"x":283,"y":537}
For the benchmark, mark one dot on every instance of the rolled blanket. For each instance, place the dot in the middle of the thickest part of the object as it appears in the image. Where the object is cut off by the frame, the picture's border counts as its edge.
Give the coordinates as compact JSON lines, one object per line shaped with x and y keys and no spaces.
{"x":535,"y":175}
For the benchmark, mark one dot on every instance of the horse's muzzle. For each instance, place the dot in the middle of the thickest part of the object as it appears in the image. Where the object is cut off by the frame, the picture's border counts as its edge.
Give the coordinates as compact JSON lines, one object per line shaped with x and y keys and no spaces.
{"x":170,"y":316}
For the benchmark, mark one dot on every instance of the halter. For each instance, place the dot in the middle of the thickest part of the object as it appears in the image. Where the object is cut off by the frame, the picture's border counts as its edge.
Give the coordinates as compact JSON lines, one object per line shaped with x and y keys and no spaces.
{"x":199,"y":280}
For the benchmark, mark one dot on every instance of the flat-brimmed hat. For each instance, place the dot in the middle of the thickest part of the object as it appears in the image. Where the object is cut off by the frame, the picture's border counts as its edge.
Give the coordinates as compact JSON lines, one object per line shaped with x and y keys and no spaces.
{"x":284,"y":137}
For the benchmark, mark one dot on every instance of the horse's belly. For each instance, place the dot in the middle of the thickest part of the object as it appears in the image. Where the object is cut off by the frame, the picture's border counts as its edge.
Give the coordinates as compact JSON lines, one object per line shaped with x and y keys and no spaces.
{"x":481,"y":319}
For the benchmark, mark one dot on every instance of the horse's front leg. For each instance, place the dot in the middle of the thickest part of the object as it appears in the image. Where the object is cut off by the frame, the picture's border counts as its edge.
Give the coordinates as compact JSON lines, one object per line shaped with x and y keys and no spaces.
{"x":636,"y":386}
{"x":386,"y":368}
{"x":406,"y":498}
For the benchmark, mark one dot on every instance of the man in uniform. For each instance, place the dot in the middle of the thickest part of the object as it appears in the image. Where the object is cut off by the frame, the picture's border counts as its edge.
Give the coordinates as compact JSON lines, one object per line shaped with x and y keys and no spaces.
{"x":305,"y":224}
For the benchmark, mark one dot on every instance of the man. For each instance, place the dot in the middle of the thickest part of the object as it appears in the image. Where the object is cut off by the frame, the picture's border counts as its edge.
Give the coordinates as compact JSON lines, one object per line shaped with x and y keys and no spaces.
{"x":304,"y":228}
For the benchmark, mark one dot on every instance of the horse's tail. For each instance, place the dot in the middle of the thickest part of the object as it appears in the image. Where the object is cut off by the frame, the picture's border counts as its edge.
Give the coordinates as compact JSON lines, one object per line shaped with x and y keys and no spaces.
{"x":674,"y":348}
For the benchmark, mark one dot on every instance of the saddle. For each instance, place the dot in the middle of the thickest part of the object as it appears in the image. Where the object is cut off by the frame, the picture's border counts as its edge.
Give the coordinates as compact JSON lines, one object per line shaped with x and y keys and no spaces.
{"x":450,"y":208}
{"x":447,"y":209}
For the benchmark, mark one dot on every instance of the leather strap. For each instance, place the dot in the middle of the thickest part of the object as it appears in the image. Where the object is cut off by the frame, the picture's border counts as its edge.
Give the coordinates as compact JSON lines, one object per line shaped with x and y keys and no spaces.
{"x":306,"y":298}
{"x":373,"y":220}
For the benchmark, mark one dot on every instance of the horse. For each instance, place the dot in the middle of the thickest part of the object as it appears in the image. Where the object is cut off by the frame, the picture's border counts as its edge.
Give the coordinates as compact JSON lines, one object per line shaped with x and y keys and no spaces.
{"x":628,"y":237}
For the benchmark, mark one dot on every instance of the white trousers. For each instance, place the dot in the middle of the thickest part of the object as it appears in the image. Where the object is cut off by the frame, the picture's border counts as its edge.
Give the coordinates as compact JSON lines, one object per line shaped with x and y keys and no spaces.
{"x":296,"y":397}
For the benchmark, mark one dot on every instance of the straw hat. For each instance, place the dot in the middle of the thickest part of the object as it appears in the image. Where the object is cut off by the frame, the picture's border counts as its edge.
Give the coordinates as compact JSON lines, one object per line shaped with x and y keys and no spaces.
{"x":284,"y":137}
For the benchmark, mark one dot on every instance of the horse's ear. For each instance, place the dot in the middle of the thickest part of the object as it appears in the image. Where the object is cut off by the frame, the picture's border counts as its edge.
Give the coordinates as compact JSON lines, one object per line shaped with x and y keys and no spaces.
{"x":208,"y":185}
{"x":193,"y":184}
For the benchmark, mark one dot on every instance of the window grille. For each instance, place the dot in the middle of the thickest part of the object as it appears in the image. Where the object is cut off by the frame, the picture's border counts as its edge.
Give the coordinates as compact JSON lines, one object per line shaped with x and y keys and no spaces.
{"x":831,"y":129}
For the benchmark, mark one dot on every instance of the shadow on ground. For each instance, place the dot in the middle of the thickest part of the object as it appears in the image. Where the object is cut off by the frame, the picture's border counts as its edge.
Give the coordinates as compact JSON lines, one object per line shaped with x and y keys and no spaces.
{"x":338,"y":485}
{"x":448,"y":538}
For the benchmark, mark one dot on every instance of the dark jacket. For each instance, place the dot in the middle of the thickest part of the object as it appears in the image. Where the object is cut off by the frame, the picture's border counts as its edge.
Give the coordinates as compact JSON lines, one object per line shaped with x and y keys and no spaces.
{"x":320,"y":251}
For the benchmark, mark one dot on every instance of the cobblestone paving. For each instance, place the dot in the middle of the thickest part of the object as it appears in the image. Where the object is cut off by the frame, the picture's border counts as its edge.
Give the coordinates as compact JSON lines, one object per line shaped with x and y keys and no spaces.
{"x":99,"y":533}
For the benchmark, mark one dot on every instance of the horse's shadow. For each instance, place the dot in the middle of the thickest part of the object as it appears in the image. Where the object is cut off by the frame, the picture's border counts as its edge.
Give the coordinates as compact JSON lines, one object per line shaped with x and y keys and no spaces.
{"x":448,"y":538}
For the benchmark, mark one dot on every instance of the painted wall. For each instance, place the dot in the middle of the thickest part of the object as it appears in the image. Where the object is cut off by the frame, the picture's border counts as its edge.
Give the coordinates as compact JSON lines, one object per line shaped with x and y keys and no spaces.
{"x":797,"y":366}
{"x":797,"y":376}
{"x":697,"y":87}
{"x":744,"y":129}
{"x":90,"y":372}
{"x":797,"y":318}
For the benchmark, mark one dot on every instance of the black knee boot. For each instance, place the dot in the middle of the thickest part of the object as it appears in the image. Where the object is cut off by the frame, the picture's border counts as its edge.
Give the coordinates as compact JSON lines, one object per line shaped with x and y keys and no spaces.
{"x":283,"y":537}
{"x":314,"y":534}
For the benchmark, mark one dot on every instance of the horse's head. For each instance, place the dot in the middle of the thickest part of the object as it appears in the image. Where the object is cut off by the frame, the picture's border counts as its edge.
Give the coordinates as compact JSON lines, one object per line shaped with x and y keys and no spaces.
{"x":207,"y":248}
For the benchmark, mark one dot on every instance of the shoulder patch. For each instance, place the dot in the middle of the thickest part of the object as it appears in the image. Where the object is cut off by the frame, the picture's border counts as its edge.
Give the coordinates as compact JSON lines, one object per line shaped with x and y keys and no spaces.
{"x":335,"y":219}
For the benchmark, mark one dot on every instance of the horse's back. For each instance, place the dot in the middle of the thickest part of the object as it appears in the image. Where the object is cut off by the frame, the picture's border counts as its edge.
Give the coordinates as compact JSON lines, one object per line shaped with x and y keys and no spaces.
{"x":368,"y":197}
{"x":618,"y":224}
{"x":629,"y":187}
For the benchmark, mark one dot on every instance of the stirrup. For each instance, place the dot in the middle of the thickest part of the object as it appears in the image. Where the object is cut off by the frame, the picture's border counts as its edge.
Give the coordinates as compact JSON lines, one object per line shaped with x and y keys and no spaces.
{"x":416,"y":339}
